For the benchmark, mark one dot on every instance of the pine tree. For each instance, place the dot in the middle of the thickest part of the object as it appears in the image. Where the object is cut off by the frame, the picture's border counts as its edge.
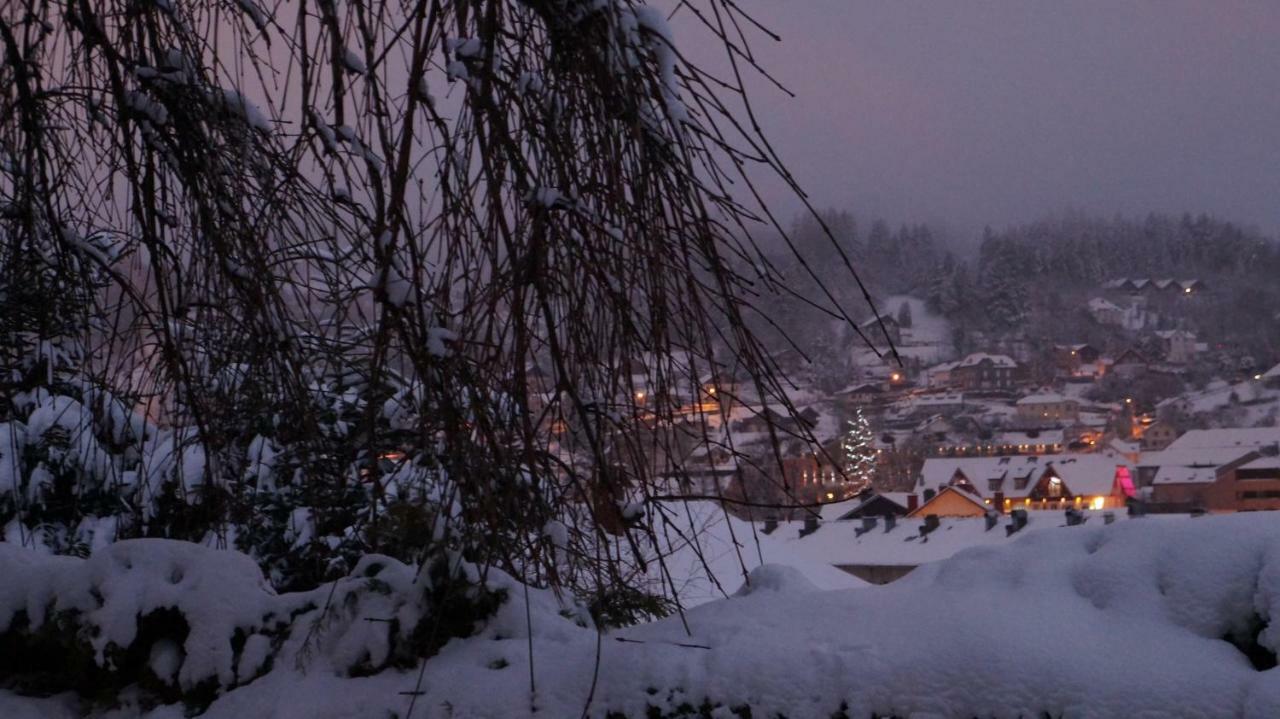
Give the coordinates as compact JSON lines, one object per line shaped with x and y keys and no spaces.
{"x":859,"y":450}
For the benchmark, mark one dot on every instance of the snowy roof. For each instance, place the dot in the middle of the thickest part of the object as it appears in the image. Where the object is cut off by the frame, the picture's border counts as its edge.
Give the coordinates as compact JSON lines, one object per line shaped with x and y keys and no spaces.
{"x":924,"y":511}
{"x":1262,"y":463}
{"x":1185,"y":475}
{"x":1044,"y":398}
{"x":1084,"y":474}
{"x":1252,"y":437}
{"x":1097,"y":304}
{"x":1031,"y":437}
{"x":1192,"y":457}
{"x":977,"y":358}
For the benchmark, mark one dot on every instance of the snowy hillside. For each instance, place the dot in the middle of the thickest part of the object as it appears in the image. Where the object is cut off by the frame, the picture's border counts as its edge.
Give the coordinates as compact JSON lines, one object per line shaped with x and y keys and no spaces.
{"x":1138,"y":619}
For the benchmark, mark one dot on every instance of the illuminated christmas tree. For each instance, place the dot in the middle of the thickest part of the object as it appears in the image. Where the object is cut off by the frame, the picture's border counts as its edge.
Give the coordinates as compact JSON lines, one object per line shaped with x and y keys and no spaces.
{"x":859,"y":450}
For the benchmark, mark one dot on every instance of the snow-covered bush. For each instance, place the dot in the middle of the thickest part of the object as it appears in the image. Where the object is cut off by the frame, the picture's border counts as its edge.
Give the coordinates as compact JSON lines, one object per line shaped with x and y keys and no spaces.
{"x":177,"y":621}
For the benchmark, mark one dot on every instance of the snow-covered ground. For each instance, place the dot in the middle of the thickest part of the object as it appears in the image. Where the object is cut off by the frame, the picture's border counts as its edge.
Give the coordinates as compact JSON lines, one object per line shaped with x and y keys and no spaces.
{"x":1125,"y":620}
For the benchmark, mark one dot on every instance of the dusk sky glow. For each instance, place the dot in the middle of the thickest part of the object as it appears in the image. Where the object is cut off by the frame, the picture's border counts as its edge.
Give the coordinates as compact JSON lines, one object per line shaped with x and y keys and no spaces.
{"x":967,"y":114}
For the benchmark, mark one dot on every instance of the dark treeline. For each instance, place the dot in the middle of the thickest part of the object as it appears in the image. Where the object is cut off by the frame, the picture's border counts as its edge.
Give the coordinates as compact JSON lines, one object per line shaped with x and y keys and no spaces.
{"x":1025,"y":274}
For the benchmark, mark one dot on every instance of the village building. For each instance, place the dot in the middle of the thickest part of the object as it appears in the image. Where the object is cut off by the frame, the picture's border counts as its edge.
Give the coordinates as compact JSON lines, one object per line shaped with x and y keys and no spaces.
{"x":1047,"y":408}
{"x":952,"y":502}
{"x":981,"y":371}
{"x":1130,"y":364}
{"x":1078,"y":360}
{"x":1179,"y":346}
{"x":1105,"y":312}
{"x":1157,"y":436}
{"x":1063,"y":481}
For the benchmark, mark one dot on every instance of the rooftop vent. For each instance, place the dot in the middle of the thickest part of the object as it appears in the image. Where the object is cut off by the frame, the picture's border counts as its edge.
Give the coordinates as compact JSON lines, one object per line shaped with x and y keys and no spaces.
{"x":1017,"y":520}
{"x":930,"y":524}
{"x":810,"y":526}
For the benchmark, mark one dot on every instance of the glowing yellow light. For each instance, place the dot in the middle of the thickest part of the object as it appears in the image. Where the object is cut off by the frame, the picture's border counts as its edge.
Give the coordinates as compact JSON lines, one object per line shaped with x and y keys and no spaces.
{"x":1098,"y":503}
{"x":1187,"y":290}
{"x":711,"y":390}
{"x":1257,"y":376}
{"x":639,"y":396}
{"x":1128,"y":400}
{"x":986,"y":501}
{"x":831,"y":495}
{"x":1027,"y":501}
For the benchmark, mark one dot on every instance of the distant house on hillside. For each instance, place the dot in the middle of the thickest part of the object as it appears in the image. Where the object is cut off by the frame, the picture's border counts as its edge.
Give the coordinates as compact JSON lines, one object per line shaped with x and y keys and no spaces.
{"x":872,"y":329}
{"x":1155,"y":287}
{"x":981,"y":371}
{"x":1105,"y":312}
{"x":1158,"y":436}
{"x":1047,"y":407}
{"x":1130,"y":364}
{"x":1179,"y":346}
{"x":860,"y":394}
{"x":1077,"y":360}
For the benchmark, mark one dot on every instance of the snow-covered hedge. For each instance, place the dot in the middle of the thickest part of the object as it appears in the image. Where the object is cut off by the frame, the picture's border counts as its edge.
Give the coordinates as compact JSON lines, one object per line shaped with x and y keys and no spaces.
{"x":1153,"y":617}
{"x":172,"y":620}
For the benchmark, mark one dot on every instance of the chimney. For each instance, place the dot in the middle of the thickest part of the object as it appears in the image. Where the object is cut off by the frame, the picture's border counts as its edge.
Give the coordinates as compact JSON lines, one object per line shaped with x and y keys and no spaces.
{"x":930,"y":524}
{"x":1075,"y":517}
{"x":1017,"y":520}
{"x":810,"y":526}
{"x":890,"y":521}
{"x":868,"y":524}
{"x":770,"y":526}
{"x":913,"y":502}
{"x":992,"y":517}
{"x":998,"y":501}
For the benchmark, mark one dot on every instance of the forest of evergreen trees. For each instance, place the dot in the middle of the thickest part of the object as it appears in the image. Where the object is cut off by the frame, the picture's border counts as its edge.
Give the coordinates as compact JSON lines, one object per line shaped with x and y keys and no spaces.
{"x":1049,"y":268}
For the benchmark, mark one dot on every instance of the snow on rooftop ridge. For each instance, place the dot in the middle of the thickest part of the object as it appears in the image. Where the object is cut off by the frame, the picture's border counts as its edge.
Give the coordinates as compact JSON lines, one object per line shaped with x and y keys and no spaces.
{"x":1044,"y":398}
{"x":995,"y":359}
{"x":1253,"y":437}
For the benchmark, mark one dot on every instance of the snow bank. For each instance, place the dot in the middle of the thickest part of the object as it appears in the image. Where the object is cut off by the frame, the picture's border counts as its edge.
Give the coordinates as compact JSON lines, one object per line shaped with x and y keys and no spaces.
{"x":1131,"y":619}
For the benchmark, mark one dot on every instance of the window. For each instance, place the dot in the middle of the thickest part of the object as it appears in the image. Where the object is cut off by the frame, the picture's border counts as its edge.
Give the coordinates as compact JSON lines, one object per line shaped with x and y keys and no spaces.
{"x":1055,"y":487}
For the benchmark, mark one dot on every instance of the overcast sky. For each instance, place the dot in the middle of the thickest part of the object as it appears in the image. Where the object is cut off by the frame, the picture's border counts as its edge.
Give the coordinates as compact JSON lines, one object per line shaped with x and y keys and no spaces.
{"x":974,"y":113}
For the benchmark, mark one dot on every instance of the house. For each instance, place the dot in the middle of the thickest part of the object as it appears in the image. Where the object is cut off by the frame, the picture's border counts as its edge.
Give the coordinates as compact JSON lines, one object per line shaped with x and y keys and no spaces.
{"x":1157,"y":436}
{"x":1105,"y":312}
{"x":1266,"y":439}
{"x":872,"y":329}
{"x":1271,"y":378}
{"x":1065,"y":481}
{"x":860,"y":394}
{"x":1047,"y":407}
{"x":1249,"y":487}
{"x":1077,"y":360}
{"x":981,"y":371}
{"x":1206,"y":479}
{"x":1198,"y":470}
{"x":1029,"y":441}
{"x":1130,"y":364}
{"x":939,"y":375}
{"x":880,"y":504}
{"x":951,"y":502}
{"x":1179,"y":346}
{"x":1120,"y":284}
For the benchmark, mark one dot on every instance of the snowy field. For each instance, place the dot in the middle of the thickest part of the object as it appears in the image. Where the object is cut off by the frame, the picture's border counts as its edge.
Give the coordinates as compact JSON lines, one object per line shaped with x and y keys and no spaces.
{"x":1126,"y":620}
